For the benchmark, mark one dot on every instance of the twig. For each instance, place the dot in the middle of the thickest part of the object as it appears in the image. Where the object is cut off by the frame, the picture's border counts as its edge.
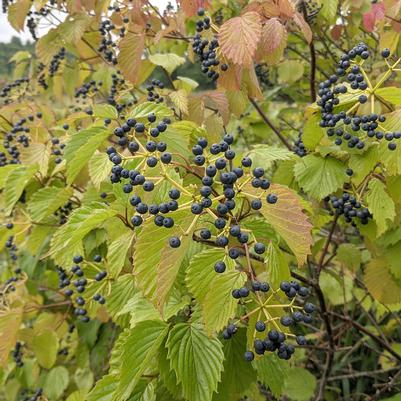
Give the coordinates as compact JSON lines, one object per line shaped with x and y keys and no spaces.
{"x":268,"y":122}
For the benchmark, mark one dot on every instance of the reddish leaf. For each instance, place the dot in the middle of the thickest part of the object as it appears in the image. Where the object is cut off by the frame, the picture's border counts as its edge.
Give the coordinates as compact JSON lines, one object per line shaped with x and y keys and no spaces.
{"x":376,"y":13}
{"x":303,"y":26}
{"x":291,"y":223}
{"x":239,"y":38}
{"x":191,"y":7}
{"x":336,"y":31}
{"x":287,"y":9}
{"x":129,"y":59}
{"x":218,"y":100}
{"x":231,"y":79}
{"x":274,"y":40}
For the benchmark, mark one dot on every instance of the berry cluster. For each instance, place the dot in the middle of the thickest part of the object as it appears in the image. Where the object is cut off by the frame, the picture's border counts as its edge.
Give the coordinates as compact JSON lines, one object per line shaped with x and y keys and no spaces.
{"x":299,"y":147}
{"x":8,"y":90}
{"x":57,"y":147}
{"x":56,"y":61}
{"x":88,"y":89}
{"x":17,"y":354}
{"x":347,"y":126}
{"x":107,"y":45}
{"x":348,"y":206}
{"x":152,"y":88}
{"x":207,"y":50}
{"x":80,"y":284}
{"x":64,"y":211}
{"x":12,"y":248}
{"x":275,"y":338}
{"x":263,"y":75}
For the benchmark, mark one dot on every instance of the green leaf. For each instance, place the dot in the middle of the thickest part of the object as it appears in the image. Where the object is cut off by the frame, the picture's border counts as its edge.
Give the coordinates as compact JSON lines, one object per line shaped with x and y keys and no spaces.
{"x":140,"y":112}
{"x":320,"y":176}
{"x":272,"y":372}
{"x":238,"y":374}
{"x":156,"y":264}
{"x":15,"y":184}
{"x":140,"y":347}
{"x":80,"y":223}
{"x":290,"y":71}
{"x":99,"y":168}
{"x":47,"y":200}
{"x":196,"y":359}
{"x":81,"y":147}
{"x":390,"y":94}
{"x":169,"y":61}
{"x":289,"y":220}
{"x":380,"y":205}
{"x":17,"y":13}
{"x":299,"y":384}
{"x":329,"y":9}
{"x":380,"y":282}
{"x":117,"y":253}
{"x":277,"y":267}
{"x":312,"y":132}
{"x":56,"y":382}
{"x":45,"y":346}
{"x":213,"y":291}
{"x":5,"y":171}
{"x":105,"y":111}
{"x":265,"y":155}
{"x":349,"y":255}
{"x":104,"y":389}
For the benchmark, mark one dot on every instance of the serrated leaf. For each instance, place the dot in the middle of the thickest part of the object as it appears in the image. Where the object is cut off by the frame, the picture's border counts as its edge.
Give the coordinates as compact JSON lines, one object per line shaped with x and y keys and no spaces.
{"x":10,"y":321}
{"x":15,"y":184}
{"x":312,"y":132}
{"x":117,"y":253}
{"x":213,"y":291}
{"x":180,"y":100}
{"x":5,"y":171}
{"x":81,"y":147}
{"x":104,"y":389}
{"x":299,"y":384}
{"x":17,"y":13}
{"x":72,"y":30}
{"x":320,"y":176}
{"x":349,"y":255}
{"x":289,"y":220}
{"x":129,"y":58}
{"x":329,"y":9}
{"x":273,"y":41}
{"x":155,"y":260}
{"x":45,"y":346}
{"x":99,"y":168}
{"x":37,"y":153}
{"x":290,"y":71}
{"x":169,"y":61}
{"x":272,"y":372}
{"x":80,"y":223}
{"x":381,"y":283}
{"x":196,"y":359}
{"x":277,"y":267}
{"x":47,"y":200}
{"x":380,"y":205}
{"x":105,"y":111}
{"x":142,"y":111}
{"x":265,"y":155}
{"x":140,"y":347}
{"x":239,"y":37}
{"x":236,"y":380}
{"x":48,"y":45}
{"x":390,"y":94}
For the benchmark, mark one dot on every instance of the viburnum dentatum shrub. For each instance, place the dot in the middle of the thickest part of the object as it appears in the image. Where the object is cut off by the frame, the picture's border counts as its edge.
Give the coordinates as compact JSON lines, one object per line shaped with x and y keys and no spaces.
{"x":201,"y":202}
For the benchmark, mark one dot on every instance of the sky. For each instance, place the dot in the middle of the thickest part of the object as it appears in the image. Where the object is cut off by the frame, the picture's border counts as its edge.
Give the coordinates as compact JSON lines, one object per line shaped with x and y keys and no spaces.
{"x":6,"y":31}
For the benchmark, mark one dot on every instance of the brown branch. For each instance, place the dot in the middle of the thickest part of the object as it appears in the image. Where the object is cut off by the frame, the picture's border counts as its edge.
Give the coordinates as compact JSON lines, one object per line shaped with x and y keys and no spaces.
{"x":268,"y":122}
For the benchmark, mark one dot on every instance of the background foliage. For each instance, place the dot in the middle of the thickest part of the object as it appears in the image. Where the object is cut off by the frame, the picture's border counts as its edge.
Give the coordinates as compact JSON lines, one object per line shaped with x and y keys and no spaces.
{"x":156,"y":321}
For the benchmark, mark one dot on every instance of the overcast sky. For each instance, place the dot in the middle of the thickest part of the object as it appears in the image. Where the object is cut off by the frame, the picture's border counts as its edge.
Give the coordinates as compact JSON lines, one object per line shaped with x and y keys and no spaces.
{"x":6,"y":31}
